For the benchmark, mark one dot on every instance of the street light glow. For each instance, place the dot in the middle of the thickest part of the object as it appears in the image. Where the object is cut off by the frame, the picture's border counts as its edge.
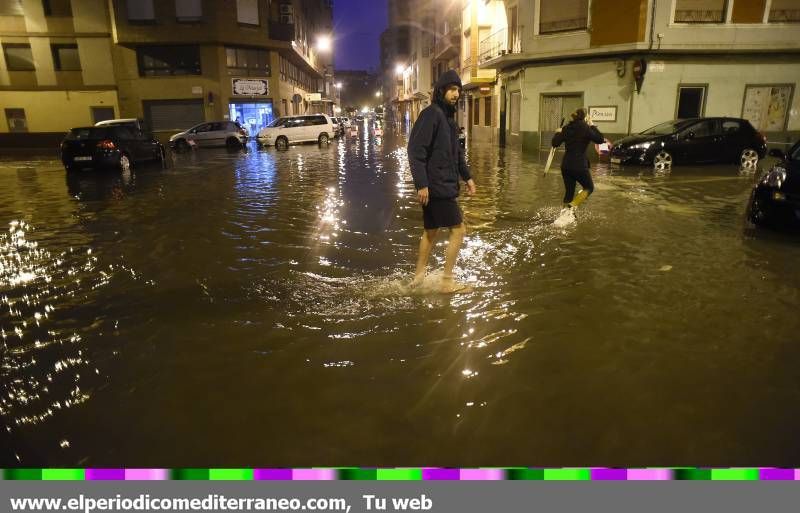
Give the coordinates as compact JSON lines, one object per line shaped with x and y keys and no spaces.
{"x":399,"y":69}
{"x":324,"y":43}
{"x":338,"y":85}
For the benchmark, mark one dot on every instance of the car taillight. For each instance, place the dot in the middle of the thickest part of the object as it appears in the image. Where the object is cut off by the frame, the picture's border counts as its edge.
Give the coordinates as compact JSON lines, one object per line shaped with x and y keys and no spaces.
{"x":763,"y":137}
{"x":106,"y":145}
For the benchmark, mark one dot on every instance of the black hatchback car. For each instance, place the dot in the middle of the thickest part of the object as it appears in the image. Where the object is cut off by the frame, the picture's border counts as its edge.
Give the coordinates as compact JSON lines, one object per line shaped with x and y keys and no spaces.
{"x":104,"y":147}
{"x":693,"y":141}
{"x":776,"y":197}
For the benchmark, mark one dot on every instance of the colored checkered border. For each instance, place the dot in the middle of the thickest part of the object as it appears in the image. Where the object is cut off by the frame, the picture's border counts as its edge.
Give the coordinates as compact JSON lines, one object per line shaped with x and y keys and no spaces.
{"x":406,"y":474}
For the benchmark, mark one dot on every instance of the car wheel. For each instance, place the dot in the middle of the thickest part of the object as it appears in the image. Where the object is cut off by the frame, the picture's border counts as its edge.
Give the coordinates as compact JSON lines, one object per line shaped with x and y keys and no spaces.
{"x":748,"y":159}
{"x":662,"y":161}
{"x":323,"y":139}
{"x":124,"y":163}
{"x":232,"y":143}
{"x":182,"y":145}
{"x":281,"y":143}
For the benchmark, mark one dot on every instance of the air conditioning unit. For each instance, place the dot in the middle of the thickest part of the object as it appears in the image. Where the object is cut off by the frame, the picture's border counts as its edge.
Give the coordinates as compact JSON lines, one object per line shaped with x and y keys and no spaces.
{"x":287,"y":19}
{"x":287,"y":9}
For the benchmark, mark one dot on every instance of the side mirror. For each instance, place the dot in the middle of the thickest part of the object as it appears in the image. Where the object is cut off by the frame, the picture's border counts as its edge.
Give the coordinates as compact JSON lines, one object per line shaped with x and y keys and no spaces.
{"x":775,"y":152}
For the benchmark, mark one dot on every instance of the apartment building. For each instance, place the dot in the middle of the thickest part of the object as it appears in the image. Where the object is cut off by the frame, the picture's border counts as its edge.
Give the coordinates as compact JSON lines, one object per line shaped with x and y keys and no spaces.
{"x":636,"y":63}
{"x":55,"y":69}
{"x":173,"y":63}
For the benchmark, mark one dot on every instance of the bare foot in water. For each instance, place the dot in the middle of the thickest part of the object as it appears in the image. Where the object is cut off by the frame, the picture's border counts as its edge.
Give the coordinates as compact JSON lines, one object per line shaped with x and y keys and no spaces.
{"x":451,"y":286}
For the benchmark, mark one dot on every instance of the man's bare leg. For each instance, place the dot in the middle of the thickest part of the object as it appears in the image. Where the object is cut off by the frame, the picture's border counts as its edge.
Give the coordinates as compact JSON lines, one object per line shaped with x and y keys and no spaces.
{"x":426,"y":243}
{"x":453,"y":247}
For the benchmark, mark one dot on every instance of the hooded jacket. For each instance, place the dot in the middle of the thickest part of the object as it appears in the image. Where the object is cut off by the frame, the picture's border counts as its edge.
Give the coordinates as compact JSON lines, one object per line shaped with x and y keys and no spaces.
{"x":434,"y":154}
{"x":576,"y":135}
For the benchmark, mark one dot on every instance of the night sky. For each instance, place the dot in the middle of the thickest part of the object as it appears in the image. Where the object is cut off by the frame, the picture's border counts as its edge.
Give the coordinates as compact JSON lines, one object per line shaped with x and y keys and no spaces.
{"x":358,"y":25}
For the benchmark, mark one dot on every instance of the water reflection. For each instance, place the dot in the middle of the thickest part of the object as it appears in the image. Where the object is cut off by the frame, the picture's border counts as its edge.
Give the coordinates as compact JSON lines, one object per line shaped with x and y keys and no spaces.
{"x":262,"y":285}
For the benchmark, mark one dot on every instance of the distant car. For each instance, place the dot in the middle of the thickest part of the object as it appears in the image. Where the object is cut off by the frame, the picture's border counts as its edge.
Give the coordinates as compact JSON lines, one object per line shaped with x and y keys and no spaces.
{"x":693,"y":141}
{"x":209,"y":134}
{"x":296,"y":129}
{"x":337,"y":126}
{"x":112,"y":146}
{"x":775,"y":199}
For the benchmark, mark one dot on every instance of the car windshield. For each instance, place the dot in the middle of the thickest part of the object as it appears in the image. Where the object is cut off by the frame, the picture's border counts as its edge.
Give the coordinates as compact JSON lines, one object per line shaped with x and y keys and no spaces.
{"x":278,"y":122}
{"x":667,"y":128}
{"x":82,"y":134}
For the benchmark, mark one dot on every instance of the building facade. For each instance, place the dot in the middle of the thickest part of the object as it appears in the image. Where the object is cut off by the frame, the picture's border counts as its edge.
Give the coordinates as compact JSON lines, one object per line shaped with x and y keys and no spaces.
{"x":637,"y":63}
{"x":173,"y":63}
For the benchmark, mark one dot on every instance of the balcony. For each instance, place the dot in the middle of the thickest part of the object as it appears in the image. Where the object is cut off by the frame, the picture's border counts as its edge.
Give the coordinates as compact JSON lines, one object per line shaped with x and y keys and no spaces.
{"x":281,"y":31}
{"x":499,"y":44}
{"x":448,"y":44}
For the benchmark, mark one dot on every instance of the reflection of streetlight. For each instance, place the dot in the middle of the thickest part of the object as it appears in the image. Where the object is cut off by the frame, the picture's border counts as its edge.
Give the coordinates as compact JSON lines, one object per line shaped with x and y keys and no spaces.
{"x":324,"y":43}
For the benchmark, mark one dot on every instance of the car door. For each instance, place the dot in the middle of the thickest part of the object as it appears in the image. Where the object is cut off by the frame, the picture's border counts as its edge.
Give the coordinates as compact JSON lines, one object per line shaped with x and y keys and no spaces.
{"x":700,"y":142}
{"x":125,"y":139}
{"x":735,"y":138}
{"x":201,"y":134}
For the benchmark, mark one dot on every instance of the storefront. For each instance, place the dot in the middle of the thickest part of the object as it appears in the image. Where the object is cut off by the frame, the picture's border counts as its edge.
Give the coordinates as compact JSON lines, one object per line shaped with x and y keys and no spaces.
{"x":251,"y":114}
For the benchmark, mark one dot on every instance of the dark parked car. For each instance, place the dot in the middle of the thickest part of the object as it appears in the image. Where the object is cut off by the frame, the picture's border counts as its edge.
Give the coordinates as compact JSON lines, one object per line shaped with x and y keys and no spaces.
{"x":103,"y":147}
{"x":693,"y":141}
{"x":776,"y":197}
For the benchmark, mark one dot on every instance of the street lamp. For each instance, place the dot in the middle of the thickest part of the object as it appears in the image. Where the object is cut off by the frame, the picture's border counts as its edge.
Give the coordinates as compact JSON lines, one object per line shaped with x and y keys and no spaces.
{"x":399,"y":69}
{"x":324,"y":43}
{"x":377,"y":94}
{"x":338,"y":85}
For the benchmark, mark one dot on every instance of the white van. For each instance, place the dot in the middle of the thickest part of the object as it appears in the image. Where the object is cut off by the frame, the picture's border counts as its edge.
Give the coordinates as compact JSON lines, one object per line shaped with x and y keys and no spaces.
{"x":296,"y":129}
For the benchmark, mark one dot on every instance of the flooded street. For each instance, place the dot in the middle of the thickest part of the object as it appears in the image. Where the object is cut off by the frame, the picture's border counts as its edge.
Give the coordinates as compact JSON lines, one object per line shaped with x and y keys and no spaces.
{"x":250,"y":308}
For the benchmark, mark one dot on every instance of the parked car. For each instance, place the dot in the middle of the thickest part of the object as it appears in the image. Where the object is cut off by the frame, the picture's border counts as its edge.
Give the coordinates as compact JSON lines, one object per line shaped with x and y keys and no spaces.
{"x":337,"y":126}
{"x":775,"y":199}
{"x":113,"y":146}
{"x":346,"y":121}
{"x":214,"y":133}
{"x":296,"y":129}
{"x":134,"y":123}
{"x":693,"y":141}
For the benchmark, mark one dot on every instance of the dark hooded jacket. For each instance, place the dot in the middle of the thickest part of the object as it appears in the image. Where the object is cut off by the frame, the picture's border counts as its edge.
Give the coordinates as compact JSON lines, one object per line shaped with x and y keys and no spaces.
{"x":577,"y":135}
{"x":434,"y":154}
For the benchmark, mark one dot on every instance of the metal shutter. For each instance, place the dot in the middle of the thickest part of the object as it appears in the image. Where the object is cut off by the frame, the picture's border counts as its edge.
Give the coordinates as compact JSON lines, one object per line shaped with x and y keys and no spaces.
{"x":178,"y":115}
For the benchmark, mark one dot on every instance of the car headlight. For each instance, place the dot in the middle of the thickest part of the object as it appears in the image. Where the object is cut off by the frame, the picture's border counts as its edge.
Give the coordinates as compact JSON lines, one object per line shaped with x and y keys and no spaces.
{"x":775,"y":178}
{"x":641,"y":146}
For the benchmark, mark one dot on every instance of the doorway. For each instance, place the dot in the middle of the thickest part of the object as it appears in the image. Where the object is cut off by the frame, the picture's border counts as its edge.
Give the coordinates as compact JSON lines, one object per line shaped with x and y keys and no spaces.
{"x":252,"y":115}
{"x":555,"y":110}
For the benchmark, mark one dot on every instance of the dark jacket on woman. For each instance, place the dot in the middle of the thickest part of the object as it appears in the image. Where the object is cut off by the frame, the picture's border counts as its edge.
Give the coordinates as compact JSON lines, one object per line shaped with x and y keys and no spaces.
{"x":577,"y":135}
{"x":434,"y":154}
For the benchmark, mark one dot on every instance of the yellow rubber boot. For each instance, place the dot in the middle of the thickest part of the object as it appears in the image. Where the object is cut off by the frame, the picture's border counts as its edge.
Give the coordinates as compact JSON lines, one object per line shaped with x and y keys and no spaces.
{"x":579,"y":198}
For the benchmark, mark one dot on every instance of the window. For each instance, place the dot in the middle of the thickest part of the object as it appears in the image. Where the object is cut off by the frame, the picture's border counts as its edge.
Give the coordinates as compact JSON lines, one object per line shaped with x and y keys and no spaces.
{"x":702,"y":129}
{"x":16,"y":120}
{"x":141,"y":10}
{"x":247,"y":11}
{"x":66,"y":58}
{"x":515,"y":107}
{"x":784,"y":11}
{"x":168,"y":60}
{"x":767,"y":106}
{"x":730,"y":126}
{"x":57,"y":8}
{"x":102,"y":114}
{"x":563,"y":15}
{"x":18,"y":57}
{"x":700,"y":11}
{"x":691,"y":100}
{"x":247,"y":61}
{"x":487,"y":111}
{"x":477,"y":111}
{"x":11,"y":8}
{"x":188,"y":10}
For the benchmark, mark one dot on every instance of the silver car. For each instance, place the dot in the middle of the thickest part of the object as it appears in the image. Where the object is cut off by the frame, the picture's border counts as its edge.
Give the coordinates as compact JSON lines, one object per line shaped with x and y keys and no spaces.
{"x":211,"y":133}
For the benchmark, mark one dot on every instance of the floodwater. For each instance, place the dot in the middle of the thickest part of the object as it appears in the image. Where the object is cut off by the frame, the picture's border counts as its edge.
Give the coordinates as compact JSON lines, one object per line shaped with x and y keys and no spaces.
{"x":250,"y":309}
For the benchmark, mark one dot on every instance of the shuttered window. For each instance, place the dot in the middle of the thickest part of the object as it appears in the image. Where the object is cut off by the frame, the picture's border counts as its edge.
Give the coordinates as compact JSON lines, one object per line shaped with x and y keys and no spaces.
{"x":563,"y":15}
{"x":189,"y":10}
{"x":175,"y":115}
{"x":700,"y":11}
{"x":141,"y":10}
{"x":247,"y":11}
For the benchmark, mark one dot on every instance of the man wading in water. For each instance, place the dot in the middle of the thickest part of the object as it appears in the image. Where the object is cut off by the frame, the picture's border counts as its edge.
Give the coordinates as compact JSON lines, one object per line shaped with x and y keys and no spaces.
{"x":437,"y":161}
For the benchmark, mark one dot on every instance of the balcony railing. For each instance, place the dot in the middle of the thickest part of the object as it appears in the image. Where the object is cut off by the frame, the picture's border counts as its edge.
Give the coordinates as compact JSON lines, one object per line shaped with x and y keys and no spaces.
{"x":500,"y":43}
{"x":446,"y":44}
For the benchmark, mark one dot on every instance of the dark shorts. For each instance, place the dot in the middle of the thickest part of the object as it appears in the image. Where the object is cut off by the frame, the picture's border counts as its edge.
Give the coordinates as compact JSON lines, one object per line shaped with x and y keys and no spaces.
{"x":441,"y":213}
